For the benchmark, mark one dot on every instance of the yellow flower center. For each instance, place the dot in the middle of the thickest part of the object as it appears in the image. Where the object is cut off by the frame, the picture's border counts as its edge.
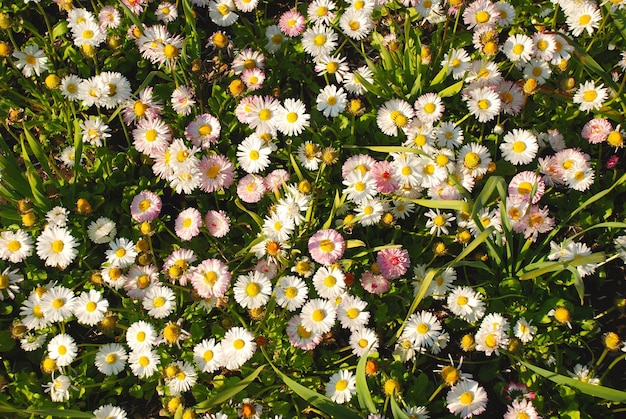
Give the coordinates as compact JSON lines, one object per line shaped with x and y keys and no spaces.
{"x":159,"y":302}
{"x":30,"y":60}
{"x":144,"y":204}
{"x":205,"y":129}
{"x":140,"y":108}
{"x":462,"y":300}
{"x":110,"y":359}
{"x":327,"y":246}
{"x":330,"y":281}
{"x":590,"y":95}
{"x":291,"y":292}
{"x":253,"y":289}
{"x":144,"y":361}
{"x":57,"y":246}
{"x":522,"y":415}
{"x":322,"y":11}
{"x":537,"y":71}
{"x":399,"y":119}
{"x":223,"y":9}
{"x":120,"y":253}
{"x":187,"y":222}
{"x":292,"y":117}
{"x":430,"y":107}
{"x":238,"y":344}
{"x":519,"y":146}
{"x":91,"y":306}
{"x":466,"y":398}
{"x":171,"y":332}
{"x":141,"y":336}
{"x":249,"y":64}
{"x":514,"y":213}
{"x":318,"y":315}
{"x":58,"y":303}
{"x":319,"y":40}
{"x":354,"y":25}
{"x":455,"y":63}
{"x":584,"y":19}
{"x":88,"y":34}
{"x":363,"y":343}
{"x":439,"y":221}
{"x":213,"y":171}
{"x":472,"y":160}
{"x":208,"y":355}
{"x":406,"y":171}
{"x":4,"y":282}
{"x":442,"y":159}
{"x":518,"y":49}
{"x":429,"y":169}
{"x":62,"y":350}
{"x":170,"y":51}
{"x":542,"y":45}
{"x":506,"y":97}
{"x":482,"y":17}
{"x":615,"y":139}
{"x":368,"y":210}
{"x":483,"y":104}
{"x":341,"y":385}
{"x":450,"y":375}
{"x":265,"y":114}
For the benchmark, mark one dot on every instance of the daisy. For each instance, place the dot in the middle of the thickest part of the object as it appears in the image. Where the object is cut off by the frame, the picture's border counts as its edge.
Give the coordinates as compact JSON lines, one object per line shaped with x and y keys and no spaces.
{"x":166,"y":12}
{"x":291,"y":118}
{"x":351,"y":312}
{"x":31,"y":60}
{"x":117,"y":89}
{"x":326,"y":246}
{"x":69,"y":86}
{"x":335,"y":65}
{"x":182,"y":100}
{"x":580,"y":177}
{"x":527,"y":185}
{"x":597,"y":130}
{"x":216,"y":173}
{"x":438,"y":222}
{"x":422,"y":328}
{"x":57,"y":247}
{"x":402,"y":209}
{"x":331,"y":101}
{"x":57,"y":217}
{"x":94,"y":130}
{"x":31,"y":342}
{"x":466,"y":303}
{"x":483,"y":103}
{"x":519,"y":146}
{"x":291,"y":292}
{"x":90,"y":307}
{"x":359,"y":186}
{"x":329,"y":282}
{"x":159,"y":301}
{"x":363,"y":341}
{"x":15,"y":246}
{"x":274,"y":38}
{"x":248,"y":59}
{"x":222,"y":12}
{"x":111,"y":359}
{"x":251,"y":188}
{"x":353,"y":83}
{"x":590,"y":97}
{"x":140,"y":336}
{"x":341,"y":386}
{"x":262,"y":114}
{"x":507,"y":14}
{"x":393,"y":262}
{"x":102,"y":230}
{"x":88,"y":33}
{"x":278,"y":228}
{"x":188,"y":223}
{"x":583,"y":17}
{"x":109,"y":411}
{"x":440,"y":285}
{"x":318,"y":316}
{"x":252,"y":290}
{"x":375,"y":283}
{"x":121,"y":253}
{"x":457,"y":62}
{"x":246,"y":5}
{"x":481,"y":13}
{"x":57,"y":304}
{"x":429,"y":108}
{"x":490,"y":341}
{"x":217,"y":223}
{"x":370,"y":211}
{"x":300,"y":337}
{"x":253,"y":78}
{"x":146,"y":106}
{"x":482,"y":73}
{"x":538,"y":222}
{"x":393,"y":115}
{"x":321,"y":11}
{"x":59,"y":388}
{"x":109,"y":17}
{"x":146,"y":206}
{"x":292,"y":23}
{"x":511,"y":97}
{"x":537,"y":70}
{"x":203,"y":131}
{"x":8,"y":283}
{"x":144,"y":362}
{"x":208,"y":355}
{"x":467,"y":398}
{"x":184,"y":379}
{"x":63,"y":349}
{"x":475,"y":159}
{"x":521,"y":409}
{"x":319,"y":40}
{"x":524,"y":331}
{"x":356,"y":24}
{"x":238,"y":346}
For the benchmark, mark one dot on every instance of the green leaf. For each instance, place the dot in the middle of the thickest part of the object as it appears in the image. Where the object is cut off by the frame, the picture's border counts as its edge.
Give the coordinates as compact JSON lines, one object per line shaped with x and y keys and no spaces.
{"x":252,"y":215}
{"x":35,"y":147}
{"x":318,"y":400}
{"x":537,"y":269}
{"x":452,"y":204}
{"x":352,"y":243}
{"x":396,"y":411}
{"x":59,"y":29}
{"x":451,"y":90}
{"x":440,"y":76}
{"x":601,"y":392}
{"x":229,"y":392}
{"x":386,"y":148}
{"x":362,"y":390}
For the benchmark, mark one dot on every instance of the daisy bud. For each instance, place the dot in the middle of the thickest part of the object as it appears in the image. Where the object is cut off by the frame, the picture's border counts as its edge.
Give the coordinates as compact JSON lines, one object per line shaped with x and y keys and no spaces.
{"x":83,"y":207}
{"x":426,"y":54}
{"x":304,"y":186}
{"x":620,"y":303}
{"x":114,"y":42}
{"x":189,"y":413}
{"x":611,"y":341}
{"x":236,"y":87}
{"x":440,"y":249}
{"x":196,"y":65}
{"x":371,"y":367}
{"x":18,"y":330}
{"x":5,"y":49}
{"x":219,"y":40}
{"x":24,"y":206}
{"x":172,"y":404}
{"x":96,"y":278}
{"x":615,"y":139}
{"x":562,"y":65}
{"x":463,"y":236}
{"x":52,"y":81}
{"x":562,"y":315}
{"x":48,"y":365}
{"x":355,"y":107}
{"x":29,"y":219}
{"x":530,"y":86}
{"x":89,"y":51}
{"x":5,"y":21}
{"x":145,"y":229}
{"x":108,"y":323}
{"x":468,"y":343}
{"x":391,"y":386}
{"x":514,"y":345}
{"x":568,"y":84}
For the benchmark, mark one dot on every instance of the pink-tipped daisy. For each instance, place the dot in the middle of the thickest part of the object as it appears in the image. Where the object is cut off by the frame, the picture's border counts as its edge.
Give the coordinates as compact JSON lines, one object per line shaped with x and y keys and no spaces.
{"x":326,"y":246}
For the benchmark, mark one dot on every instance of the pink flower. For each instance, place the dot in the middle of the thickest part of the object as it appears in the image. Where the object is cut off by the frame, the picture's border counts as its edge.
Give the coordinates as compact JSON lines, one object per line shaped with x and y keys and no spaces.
{"x":382,"y":172}
{"x":326,"y":246}
{"x":188,"y":223}
{"x":291,"y":23}
{"x":146,"y":206}
{"x":611,"y":162}
{"x":275,"y":179}
{"x":251,"y":188}
{"x":523,"y":184}
{"x":374,"y":283}
{"x":393,"y":263}
{"x":216,"y":173}
{"x":217,"y":222}
{"x":596,"y":130}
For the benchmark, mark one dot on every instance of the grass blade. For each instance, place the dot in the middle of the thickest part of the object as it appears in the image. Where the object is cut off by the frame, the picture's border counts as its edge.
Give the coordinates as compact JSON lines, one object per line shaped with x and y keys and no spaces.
{"x":362,"y":390}
{"x":228,"y":393}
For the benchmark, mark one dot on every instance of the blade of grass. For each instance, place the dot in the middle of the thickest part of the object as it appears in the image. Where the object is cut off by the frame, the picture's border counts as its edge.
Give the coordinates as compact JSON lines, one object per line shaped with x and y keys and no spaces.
{"x":229,"y":392}
{"x":362,"y":390}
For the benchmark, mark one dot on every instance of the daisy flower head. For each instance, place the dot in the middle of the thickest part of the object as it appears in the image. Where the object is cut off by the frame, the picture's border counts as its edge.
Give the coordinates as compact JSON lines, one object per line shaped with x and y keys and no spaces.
{"x":483,"y":103}
{"x":318,"y":316}
{"x":57,"y":247}
{"x":109,"y":411}
{"x":341,"y":386}
{"x":319,"y":40}
{"x":90,"y":307}
{"x":374,"y":283}
{"x":222,"y":12}
{"x":94,"y":130}
{"x":335,"y":65}
{"x":183,"y":379}
{"x":145,"y":106}
{"x":382,"y":173}
{"x":238,"y":346}
{"x":589,"y":96}
{"x":583,"y":17}
{"x":274,"y":38}
{"x":422,"y":329}
{"x":109,"y":17}
{"x":188,"y":223}
{"x":519,"y":146}
{"x":300,"y":337}
{"x":329,"y":282}
{"x":8,"y":283}
{"x":59,"y":388}
{"x":252,"y":290}
{"x":278,"y":227}
{"x":331,"y":101}
{"x":518,"y":47}
{"x":166,"y":12}
{"x":217,"y":172}
{"x":528,"y":185}
{"x":217,"y":223}
{"x":253,"y":78}
{"x":261,"y":113}
{"x":251,"y":188}
{"x":63,"y":349}
{"x":146,"y":206}
{"x":393,"y":262}
{"x":159,"y":301}
{"x":356,"y":24}
{"x":353,"y":83}
{"x":182,"y":100}
{"x":466,"y":303}
{"x":211,"y":278}
{"x":467,"y":398}
{"x":393,"y":115}
{"x":511,"y":97}
{"x":429,"y":108}
{"x":15,"y":246}
{"x":481,"y":13}
{"x":31,"y":60}
{"x":457,"y":61}
{"x":292,"y":23}
{"x":596,"y":130}
{"x":144,"y":362}
{"x":291,"y":292}
{"x":475,"y":159}
{"x":57,"y":216}
{"x":359,"y":186}
{"x":521,"y":409}
{"x":249,"y":409}
{"x":585,"y":374}
{"x":203,"y":131}
{"x":111,"y":359}
{"x":537,"y":70}
{"x":69,"y":86}
{"x":292,"y":118}
{"x":438,"y":222}
{"x":321,"y":11}
{"x":524,"y":330}
{"x":140,"y":336}
{"x":326,"y":246}
{"x":580,"y":177}
{"x":88,"y":33}
{"x":208,"y":355}
{"x":121,"y":252}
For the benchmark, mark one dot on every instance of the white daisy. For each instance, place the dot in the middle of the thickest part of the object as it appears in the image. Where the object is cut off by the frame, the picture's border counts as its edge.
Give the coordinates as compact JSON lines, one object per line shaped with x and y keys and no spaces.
{"x":291,"y":118}
{"x":57,"y":304}
{"x":363,"y":341}
{"x":238,"y":346}
{"x":140,"y":336}
{"x":252,"y":290}
{"x":291,"y":292}
{"x":57,"y":247}
{"x":63,"y":349}
{"x":102,"y":230}
{"x":208,"y":355}
{"x":519,"y":146}
{"x":589,"y":97}
{"x":111,"y":359}
{"x":15,"y":246}
{"x":329,"y":282}
{"x":90,"y":307}
{"x":341,"y":386}
{"x":159,"y":301}
{"x":318,"y":316}
{"x":144,"y":362}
